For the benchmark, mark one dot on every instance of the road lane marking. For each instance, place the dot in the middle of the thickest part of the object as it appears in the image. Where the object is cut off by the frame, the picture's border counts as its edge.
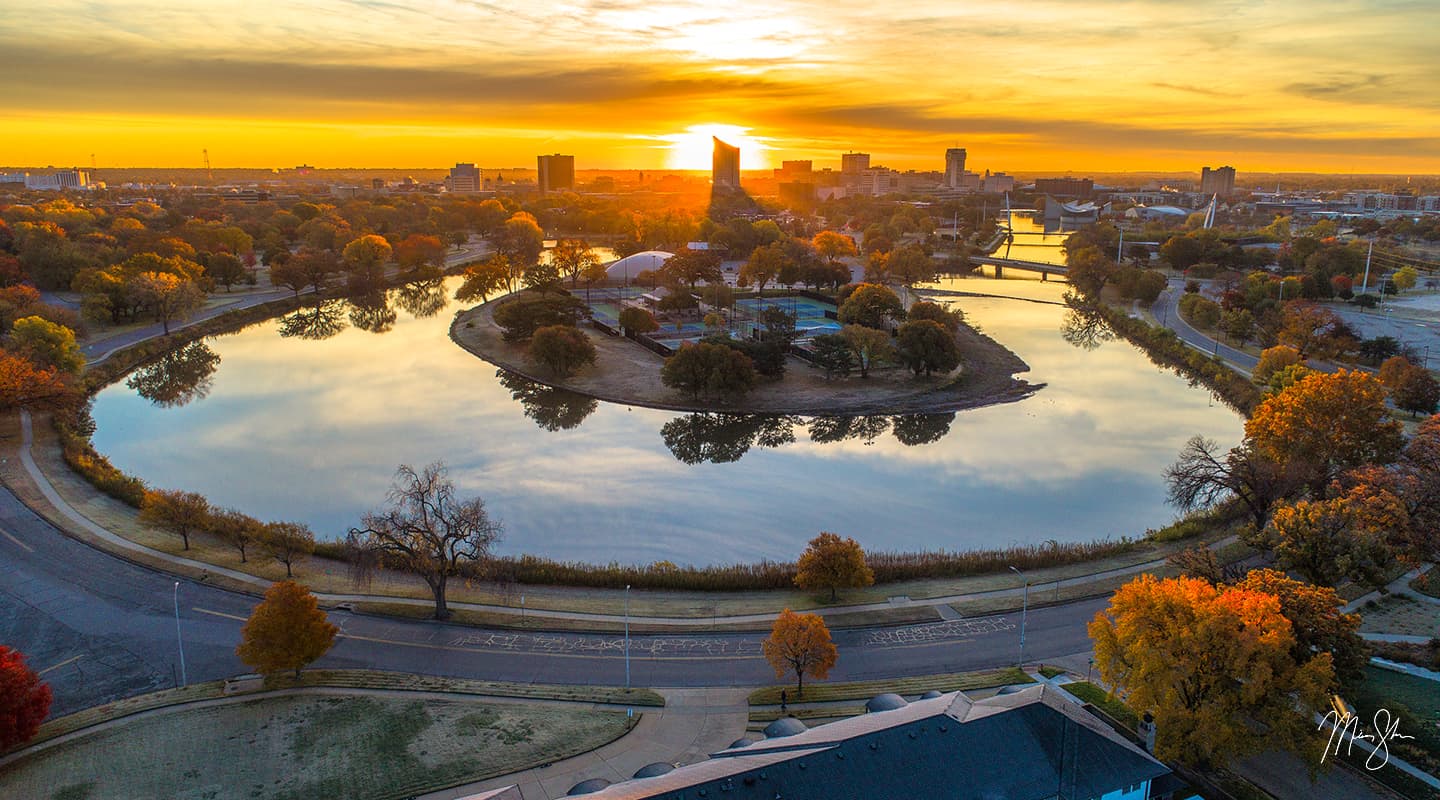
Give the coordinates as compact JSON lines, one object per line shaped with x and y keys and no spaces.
{"x":70,"y":660}
{"x":27,"y":548}
{"x":218,"y":614}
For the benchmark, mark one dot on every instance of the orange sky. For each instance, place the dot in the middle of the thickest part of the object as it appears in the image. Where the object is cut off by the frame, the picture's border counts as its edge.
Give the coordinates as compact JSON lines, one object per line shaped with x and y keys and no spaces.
{"x":1105,"y":85}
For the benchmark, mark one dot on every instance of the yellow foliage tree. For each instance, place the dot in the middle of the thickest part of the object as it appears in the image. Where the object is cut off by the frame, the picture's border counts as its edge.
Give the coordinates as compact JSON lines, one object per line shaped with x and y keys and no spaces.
{"x":286,"y":631}
{"x":1216,"y":666}
{"x":1273,"y":360}
{"x":833,"y":563}
{"x":800,"y":644}
{"x":180,"y":513}
{"x":1326,"y":423}
{"x":1347,"y":536}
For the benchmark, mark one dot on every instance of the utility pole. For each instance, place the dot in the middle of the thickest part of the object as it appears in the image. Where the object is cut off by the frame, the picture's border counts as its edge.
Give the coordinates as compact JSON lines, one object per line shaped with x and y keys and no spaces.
{"x":184,"y":679}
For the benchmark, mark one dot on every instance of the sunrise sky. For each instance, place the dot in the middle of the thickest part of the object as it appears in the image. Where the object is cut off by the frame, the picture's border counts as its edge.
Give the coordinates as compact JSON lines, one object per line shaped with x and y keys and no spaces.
{"x":1104,"y":85}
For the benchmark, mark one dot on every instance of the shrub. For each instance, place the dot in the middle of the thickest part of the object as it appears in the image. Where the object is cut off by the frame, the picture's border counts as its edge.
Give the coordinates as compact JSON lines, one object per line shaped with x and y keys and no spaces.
{"x":562,"y":349}
{"x":521,"y":316}
{"x":710,"y":370}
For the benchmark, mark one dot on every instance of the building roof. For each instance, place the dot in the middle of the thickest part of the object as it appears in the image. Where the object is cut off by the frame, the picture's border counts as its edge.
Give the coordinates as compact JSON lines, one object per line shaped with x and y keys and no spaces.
{"x":1029,"y":745}
{"x":631,"y":265}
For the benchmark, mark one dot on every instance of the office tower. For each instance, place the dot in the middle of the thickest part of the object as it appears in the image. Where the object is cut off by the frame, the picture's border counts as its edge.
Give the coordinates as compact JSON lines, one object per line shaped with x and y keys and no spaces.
{"x":725,"y":164}
{"x":556,"y":172}
{"x":954,"y":166}
{"x":854,"y":163}
{"x":464,"y":179}
{"x":1220,"y":180}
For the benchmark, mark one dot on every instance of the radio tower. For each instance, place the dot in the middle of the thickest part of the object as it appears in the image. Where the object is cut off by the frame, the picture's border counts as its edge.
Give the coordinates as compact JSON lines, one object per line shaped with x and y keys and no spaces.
{"x":209,"y":175}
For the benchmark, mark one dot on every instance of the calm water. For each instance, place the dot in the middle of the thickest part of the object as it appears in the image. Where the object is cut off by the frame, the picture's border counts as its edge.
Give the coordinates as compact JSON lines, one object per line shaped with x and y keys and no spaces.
{"x":310,"y":426}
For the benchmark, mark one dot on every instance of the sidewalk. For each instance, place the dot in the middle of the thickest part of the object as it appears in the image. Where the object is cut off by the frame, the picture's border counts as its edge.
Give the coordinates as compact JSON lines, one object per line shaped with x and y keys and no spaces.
{"x":693,"y":724}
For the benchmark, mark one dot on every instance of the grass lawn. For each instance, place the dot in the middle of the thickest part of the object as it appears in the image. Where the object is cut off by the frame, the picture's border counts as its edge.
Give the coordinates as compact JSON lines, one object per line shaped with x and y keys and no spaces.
{"x":1398,"y":613}
{"x":284,"y":748}
{"x":864,"y":690}
{"x":1417,"y":703}
{"x":1099,"y":698}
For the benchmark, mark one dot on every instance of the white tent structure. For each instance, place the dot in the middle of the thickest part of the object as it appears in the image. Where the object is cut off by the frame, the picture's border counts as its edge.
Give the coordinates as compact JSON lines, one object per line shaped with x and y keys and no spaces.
{"x":627,"y":268}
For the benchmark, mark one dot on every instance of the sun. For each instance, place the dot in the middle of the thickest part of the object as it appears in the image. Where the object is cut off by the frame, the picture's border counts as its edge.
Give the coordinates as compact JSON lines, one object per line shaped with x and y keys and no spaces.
{"x":693,"y":148}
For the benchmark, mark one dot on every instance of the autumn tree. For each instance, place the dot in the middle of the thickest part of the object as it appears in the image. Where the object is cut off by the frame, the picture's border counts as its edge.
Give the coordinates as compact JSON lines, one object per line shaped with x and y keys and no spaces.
{"x":521,"y":241}
{"x":763,"y":266}
{"x":418,"y":250}
{"x":225,"y":269}
{"x":1314,"y":331}
{"x":484,"y":279}
{"x":910,"y":264}
{"x":520,"y":316}
{"x":426,"y":529}
{"x":23,"y":385}
{"x":1414,"y":389}
{"x":637,"y":320}
{"x":239,"y":529}
{"x":1319,"y":624}
{"x":925,"y":346}
{"x":713,"y":370}
{"x":562,"y":349}
{"x":935,"y":312}
{"x":365,"y":259}
{"x":1216,"y":666}
{"x":48,"y":344}
{"x":1274,"y":359}
{"x":168,"y":296}
{"x":830,"y":562}
{"x":1325,"y":424}
{"x":24,"y":700}
{"x":799,"y":644}
{"x":1347,"y":536}
{"x":180,"y":513}
{"x":288,"y":543}
{"x":308,"y":268}
{"x":833,"y":246}
{"x":869,"y":346}
{"x":871,"y":305}
{"x":689,"y":267}
{"x":286,"y":631}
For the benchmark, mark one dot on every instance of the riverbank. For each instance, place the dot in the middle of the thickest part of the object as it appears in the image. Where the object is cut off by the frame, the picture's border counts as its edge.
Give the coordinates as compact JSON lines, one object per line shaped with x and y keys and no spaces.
{"x":626,"y":373}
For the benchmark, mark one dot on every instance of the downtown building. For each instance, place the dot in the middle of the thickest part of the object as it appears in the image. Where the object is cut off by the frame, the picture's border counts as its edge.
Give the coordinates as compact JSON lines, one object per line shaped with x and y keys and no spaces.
{"x":464,"y":179}
{"x":555,"y":173}
{"x":55,"y":181}
{"x":725,"y":165}
{"x":1220,"y":180}
{"x":955,"y":168}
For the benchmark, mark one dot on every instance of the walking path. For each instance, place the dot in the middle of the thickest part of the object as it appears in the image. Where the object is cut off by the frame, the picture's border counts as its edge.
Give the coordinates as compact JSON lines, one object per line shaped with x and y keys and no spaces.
{"x":693,"y":724}
{"x":260,"y":584}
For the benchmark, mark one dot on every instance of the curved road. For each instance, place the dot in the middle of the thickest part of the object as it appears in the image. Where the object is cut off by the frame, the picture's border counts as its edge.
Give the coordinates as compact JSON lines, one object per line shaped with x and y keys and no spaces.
{"x":102,"y":628}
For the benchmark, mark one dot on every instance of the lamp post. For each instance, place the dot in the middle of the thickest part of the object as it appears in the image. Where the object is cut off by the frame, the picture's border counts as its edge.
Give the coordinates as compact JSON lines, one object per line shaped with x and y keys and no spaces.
{"x":627,"y":637}
{"x":1024,"y":612}
{"x":178,"y":641}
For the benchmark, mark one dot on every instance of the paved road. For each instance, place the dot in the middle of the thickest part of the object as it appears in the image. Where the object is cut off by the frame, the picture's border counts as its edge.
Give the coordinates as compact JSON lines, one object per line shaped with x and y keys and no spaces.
{"x":104,"y":628}
{"x":1169,"y":313}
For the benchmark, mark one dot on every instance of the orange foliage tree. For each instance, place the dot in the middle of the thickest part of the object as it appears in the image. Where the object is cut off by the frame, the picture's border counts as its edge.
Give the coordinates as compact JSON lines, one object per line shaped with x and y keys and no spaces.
{"x":286,"y":631}
{"x":24,"y":385}
{"x":1326,"y":423}
{"x":1318,"y":623}
{"x":800,"y":644}
{"x":833,"y":563}
{"x":180,"y":513}
{"x":1339,"y":537}
{"x":24,"y":700}
{"x":1216,"y":666}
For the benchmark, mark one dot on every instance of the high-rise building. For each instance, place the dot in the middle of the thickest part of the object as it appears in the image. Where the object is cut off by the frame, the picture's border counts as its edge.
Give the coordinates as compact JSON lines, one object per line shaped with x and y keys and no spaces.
{"x":954,"y":166}
{"x":725,"y":165}
{"x":854,"y":163}
{"x":1081,"y":188}
{"x":1220,"y":180}
{"x":464,"y":179}
{"x":556,"y":172}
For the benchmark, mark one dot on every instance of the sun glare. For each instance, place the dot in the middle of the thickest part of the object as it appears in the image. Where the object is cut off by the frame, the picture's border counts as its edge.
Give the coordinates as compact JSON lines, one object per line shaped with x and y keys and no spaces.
{"x":693,"y":148}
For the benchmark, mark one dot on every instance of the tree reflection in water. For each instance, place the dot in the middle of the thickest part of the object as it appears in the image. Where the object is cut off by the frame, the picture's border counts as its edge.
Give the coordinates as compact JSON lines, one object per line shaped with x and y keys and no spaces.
{"x":316,"y":323}
{"x":1083,"y":326}
{"x":423,"y":299}
{"x":552,"y":409}
{"x":372,"y":312}
{"x":717,"y":438}
{"x":177,"y":377}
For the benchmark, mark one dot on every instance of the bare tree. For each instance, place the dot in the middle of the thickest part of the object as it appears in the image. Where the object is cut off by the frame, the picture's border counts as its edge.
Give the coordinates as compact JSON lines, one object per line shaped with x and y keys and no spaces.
{"x":426,"y":530}
{"x":1202,"y":477}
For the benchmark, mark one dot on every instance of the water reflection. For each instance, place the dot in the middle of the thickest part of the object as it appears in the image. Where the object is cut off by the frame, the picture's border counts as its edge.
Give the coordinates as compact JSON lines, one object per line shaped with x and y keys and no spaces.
{"x":372,"y":312}
{"x":552,"y":409}
{"x":316,"y":323}
{"x":1082,"y":325}
{"x":715,"y":438}
{"x":423,"y":299}
{"x":177,"y":377}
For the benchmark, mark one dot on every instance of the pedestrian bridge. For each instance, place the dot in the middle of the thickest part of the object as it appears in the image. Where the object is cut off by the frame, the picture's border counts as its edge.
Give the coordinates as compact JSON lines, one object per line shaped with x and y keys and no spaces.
{"x":1001,"y":264}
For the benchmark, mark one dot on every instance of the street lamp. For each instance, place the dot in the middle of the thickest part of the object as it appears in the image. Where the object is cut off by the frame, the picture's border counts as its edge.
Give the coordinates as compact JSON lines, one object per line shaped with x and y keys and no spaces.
{"x":178,"y":641}
{"x":1024,"y":612}
{"x":627,"y":637}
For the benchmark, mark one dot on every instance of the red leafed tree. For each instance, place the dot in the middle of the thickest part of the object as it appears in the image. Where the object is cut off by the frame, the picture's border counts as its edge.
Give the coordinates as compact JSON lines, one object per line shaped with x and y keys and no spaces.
{"x":24,"y":700}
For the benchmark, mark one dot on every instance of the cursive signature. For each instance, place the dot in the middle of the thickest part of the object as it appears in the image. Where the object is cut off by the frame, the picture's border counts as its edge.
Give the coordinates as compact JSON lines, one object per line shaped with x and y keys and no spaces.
{"x":1386,"y":727}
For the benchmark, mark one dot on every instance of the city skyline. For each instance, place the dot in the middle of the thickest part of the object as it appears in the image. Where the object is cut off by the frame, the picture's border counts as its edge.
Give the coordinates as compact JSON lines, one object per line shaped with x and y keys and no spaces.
{"x":624,"y":85}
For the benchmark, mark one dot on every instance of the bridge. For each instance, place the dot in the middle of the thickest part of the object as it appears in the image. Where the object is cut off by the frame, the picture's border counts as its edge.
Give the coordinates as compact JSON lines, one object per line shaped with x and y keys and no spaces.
{"x":1001,"y":264}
